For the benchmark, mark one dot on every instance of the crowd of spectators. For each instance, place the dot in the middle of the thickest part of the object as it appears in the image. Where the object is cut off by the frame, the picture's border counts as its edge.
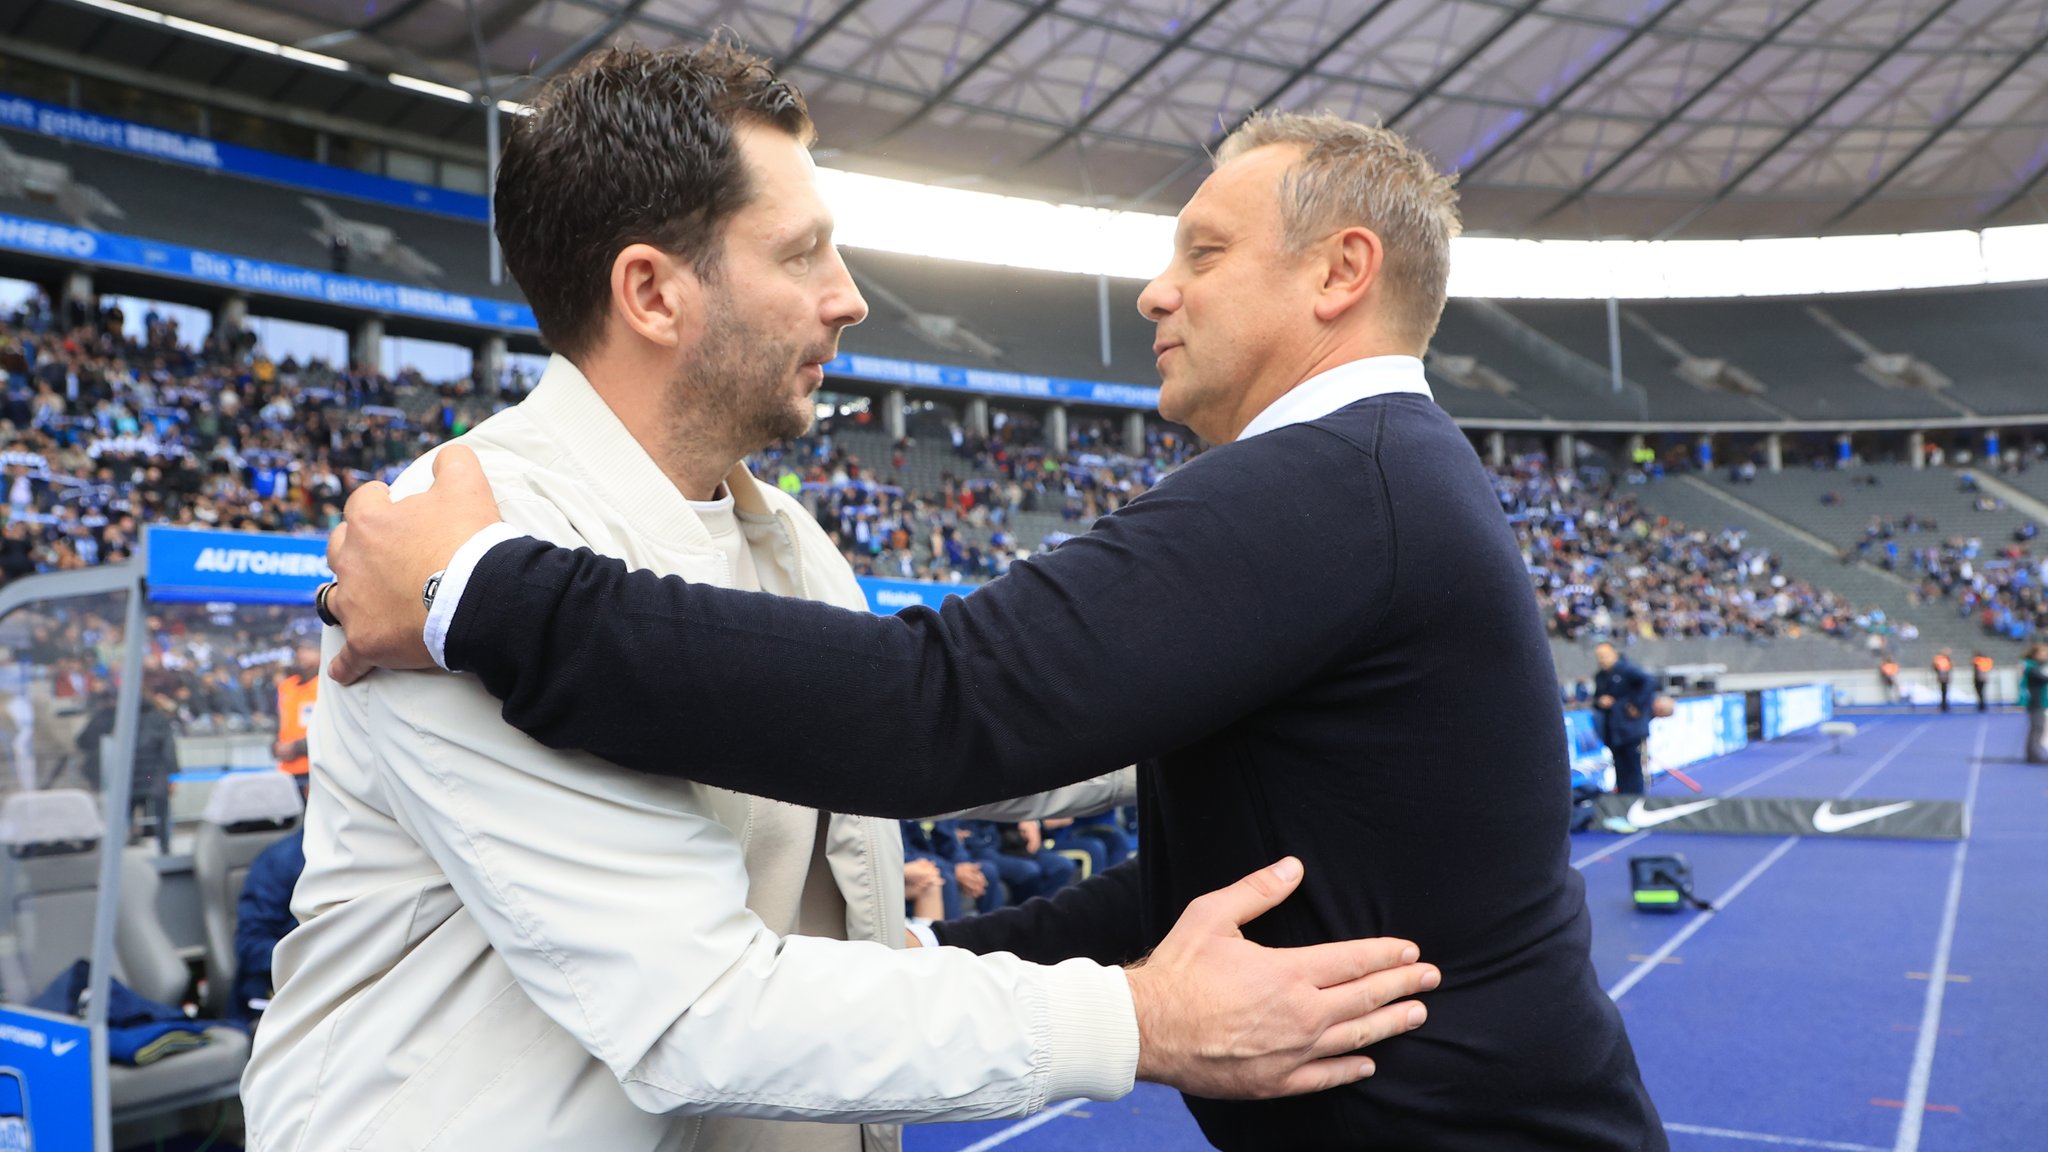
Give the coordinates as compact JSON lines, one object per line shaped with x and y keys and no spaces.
{"x":1999,"y":584}
{"x":107,"y":424}
{"x":2002,"y":588}
{"x":104,"y":431}
{"x":966,"y":530}
{"x":1602,"y":566}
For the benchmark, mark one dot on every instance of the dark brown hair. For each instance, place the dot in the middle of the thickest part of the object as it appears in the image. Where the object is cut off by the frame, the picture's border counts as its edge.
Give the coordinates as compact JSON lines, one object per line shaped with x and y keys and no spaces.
{"x":631,"y":146}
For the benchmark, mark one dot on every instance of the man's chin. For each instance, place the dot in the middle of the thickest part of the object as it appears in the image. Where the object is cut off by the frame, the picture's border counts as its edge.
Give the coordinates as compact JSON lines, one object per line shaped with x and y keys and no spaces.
{"x":1170,"y":404}
{"x":801,"y":418}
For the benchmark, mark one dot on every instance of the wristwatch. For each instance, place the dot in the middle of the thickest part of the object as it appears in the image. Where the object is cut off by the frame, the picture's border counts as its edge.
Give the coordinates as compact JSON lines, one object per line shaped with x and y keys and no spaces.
{"x":433,"y":586}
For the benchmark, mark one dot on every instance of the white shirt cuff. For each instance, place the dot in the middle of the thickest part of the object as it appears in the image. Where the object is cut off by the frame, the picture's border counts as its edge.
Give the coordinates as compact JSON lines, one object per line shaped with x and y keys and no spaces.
{"x":1093,"y":1039}
{"x":441,"y":616}
{"x":922,"y":929}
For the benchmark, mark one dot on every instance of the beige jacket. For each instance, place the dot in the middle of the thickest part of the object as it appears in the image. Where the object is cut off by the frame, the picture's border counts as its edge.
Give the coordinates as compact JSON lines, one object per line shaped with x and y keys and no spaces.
{"x":505,"y":946}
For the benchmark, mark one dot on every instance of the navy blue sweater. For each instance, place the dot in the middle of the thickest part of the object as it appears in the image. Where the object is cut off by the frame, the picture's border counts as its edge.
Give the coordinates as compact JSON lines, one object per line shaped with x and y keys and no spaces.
{"x":1319,"y":641}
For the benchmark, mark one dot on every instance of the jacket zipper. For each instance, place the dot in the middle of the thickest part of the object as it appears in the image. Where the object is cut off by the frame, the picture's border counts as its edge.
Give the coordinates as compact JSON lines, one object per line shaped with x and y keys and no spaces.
{"x":877,"y":905}
{"x":796,"y":552}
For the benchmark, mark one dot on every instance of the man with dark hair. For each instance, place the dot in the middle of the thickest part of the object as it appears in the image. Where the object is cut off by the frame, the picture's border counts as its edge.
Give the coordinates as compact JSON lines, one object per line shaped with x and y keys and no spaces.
{"x":1283,"y":631}
{"x":502,"y":945}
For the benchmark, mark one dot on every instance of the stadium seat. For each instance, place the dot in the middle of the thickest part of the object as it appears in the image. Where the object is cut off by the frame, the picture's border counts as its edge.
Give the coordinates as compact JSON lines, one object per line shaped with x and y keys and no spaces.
{"x":150,"y":965}
{"x":145,"y":959}
{"x":247,"y":813}
{"x":51,"y":843}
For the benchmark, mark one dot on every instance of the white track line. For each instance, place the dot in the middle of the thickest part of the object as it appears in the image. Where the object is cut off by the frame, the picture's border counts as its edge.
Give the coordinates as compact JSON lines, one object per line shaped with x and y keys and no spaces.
{"x":1611,"y":849}
{"x":1764,"y":1138}
{"x":1721,"y":902}
{"x":1884,"y":760}
{"x":1739,"y":789}
{"x":1642,"y":970}
{"x":1023,"y":1126}
{"x":1915,"y":1112}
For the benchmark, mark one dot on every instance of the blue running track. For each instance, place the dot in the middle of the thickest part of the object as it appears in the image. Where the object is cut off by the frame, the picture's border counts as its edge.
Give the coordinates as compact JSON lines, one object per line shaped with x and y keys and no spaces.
{"x":1855,"y":995}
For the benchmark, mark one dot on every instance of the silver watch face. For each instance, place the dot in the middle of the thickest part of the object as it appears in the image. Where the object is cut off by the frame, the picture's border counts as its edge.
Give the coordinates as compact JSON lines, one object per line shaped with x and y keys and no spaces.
{"x":433,"y":586}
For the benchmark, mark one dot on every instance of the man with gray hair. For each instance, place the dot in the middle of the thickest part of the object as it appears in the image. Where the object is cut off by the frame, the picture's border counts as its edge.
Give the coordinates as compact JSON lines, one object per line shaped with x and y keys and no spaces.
{"x":1281,"y":632}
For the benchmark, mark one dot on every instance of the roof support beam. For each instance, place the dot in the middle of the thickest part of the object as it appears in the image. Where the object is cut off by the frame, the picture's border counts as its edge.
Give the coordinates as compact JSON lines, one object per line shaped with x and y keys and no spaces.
{"x":687,"y":32}
{"x":370,"y":27}
{"x":1137,"y":76}
{"x":1940,"y":130}
{"x":618,"y":19}
{"x":1571,"y":89}
{"x":1807,"y":121}
{"x":1470,"y":54}
{"x":946,"y":90}
{"x":1308,"y":67}
{"x":1676,"y":113}
{"x":826,"y":27}
{"x":201,"y":93}
{"x":2024,"y":191}
{"x":1287,"y":83}
{"x":497,"y":24}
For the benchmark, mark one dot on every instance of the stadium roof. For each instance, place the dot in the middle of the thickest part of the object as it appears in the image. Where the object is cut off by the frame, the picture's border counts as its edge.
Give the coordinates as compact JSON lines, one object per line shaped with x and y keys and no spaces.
{"x":1579,"y":118}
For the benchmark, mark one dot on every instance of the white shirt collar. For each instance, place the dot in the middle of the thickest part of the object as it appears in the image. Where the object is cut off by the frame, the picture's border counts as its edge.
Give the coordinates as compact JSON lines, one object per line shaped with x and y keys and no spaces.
{"x":1340,"y":387}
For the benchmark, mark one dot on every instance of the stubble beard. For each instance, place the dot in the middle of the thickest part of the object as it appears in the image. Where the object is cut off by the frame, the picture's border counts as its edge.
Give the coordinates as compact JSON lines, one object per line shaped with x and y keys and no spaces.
{"x":735,"y":394}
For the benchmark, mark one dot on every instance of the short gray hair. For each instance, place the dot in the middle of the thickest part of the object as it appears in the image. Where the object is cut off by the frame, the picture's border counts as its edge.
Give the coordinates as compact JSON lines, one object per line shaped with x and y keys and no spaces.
{"x":1351,"y":175}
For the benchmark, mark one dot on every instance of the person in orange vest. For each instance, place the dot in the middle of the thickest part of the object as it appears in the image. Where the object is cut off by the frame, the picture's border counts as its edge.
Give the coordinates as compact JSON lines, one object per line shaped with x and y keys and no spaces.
{"x":1944,"y":667}
{"x":296,"y":692}
{"x":1888,"y":672}
{"x":1980,"y":673}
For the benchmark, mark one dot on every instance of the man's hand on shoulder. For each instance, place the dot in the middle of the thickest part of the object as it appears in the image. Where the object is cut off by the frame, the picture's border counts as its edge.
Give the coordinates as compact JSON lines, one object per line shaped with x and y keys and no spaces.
{"x":384,"y":552}
{"x":1227,"y":1019}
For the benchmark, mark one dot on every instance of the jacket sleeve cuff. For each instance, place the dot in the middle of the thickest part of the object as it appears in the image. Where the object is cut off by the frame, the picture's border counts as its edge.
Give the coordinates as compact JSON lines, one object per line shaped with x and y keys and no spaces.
{"x":455,"y":581}
{"x":1092,"y":1033}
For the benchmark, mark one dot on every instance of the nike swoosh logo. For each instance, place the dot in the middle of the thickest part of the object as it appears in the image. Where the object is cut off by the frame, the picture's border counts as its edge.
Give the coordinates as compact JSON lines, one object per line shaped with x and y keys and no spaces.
{"x":1826,"y":819}
{"x":60,"y":1047}
{"x":1643,"y":817}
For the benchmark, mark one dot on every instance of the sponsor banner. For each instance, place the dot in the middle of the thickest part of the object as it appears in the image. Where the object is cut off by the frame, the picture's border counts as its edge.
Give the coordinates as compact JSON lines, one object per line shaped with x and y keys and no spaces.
{"x":45,"y":1082}
{"x":987,"y":382}
{"x":1790,"y":816}
{"x":888,"y":597}
{"x":1699,"y":728}
{"x":59,"y":123}
{"x":111,"y":250}
{"x":189,"y":565}
{"x":1789,"y":710}
{"x":1591,"y":762}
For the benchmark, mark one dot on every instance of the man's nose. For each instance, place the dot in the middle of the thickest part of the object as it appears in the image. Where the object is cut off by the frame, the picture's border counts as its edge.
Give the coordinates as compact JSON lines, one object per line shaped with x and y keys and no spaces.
{"x":1158,"y":300}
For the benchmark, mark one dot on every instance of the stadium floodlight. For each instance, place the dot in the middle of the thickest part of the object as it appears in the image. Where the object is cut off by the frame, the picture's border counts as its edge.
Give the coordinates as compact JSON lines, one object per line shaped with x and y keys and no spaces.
{"x":2015,"y":254}
{"x":956,"y":224}
{"x":984,"y":228}
{"x":429,"y":88}
{"x":978,"y":227}
{"x":253,"y":43}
